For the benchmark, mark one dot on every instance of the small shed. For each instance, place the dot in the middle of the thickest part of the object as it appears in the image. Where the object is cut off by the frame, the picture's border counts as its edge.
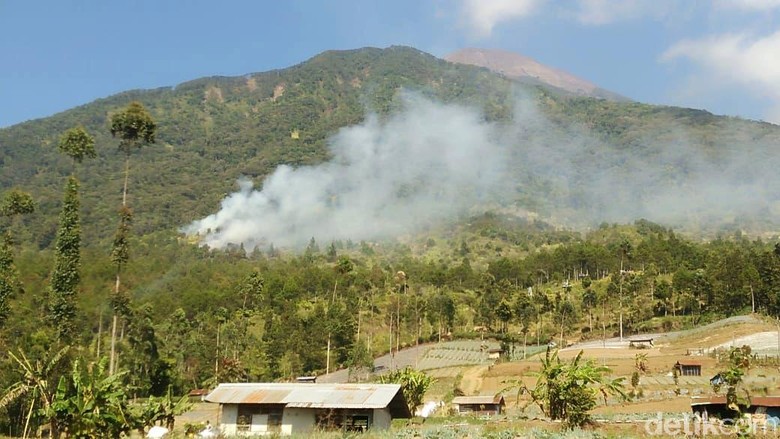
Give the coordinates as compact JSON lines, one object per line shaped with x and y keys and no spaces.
{"x":300,"y":408}
{"x":481,"y":405}
{"x":197,"y":395}
{"x":640,"y":343}
{"x":688,"y":367}
{"x":495,"y":353}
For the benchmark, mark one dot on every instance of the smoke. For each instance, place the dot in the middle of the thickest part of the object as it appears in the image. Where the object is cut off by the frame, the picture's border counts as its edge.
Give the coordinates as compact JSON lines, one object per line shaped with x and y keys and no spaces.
{"x":706,"y":176}
{"x":431,"y":162}
{"x":387,"y":177}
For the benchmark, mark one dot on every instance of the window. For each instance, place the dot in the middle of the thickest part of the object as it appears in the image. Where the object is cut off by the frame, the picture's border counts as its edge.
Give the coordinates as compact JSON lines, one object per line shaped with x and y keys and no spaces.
{"x":260,"y":417}
{"x":349,"y":420}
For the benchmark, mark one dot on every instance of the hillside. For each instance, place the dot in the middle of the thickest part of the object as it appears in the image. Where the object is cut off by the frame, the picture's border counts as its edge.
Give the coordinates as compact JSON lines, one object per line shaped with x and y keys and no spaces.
{"x":566,"y":155}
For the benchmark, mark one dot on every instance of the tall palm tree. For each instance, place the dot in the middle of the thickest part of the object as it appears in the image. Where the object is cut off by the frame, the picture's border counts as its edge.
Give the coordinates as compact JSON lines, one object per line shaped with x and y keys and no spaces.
{"x":135,"y":128}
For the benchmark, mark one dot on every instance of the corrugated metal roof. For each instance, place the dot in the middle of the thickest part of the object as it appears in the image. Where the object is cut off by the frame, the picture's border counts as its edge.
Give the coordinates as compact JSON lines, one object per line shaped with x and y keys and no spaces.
{"x":353,"y":396}
{"x":688,"y":362}
{"x":484,"y":399}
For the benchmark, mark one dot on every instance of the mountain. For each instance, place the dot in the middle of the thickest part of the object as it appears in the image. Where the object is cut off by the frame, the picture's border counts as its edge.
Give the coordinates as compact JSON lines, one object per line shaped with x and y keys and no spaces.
{"x":572,"y":157}
{"x":521,"y":67}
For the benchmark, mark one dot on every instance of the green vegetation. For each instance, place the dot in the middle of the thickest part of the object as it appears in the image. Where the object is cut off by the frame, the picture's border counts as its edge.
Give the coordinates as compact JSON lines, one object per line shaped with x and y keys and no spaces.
{"x":185,"y":316}
{"x":568,"y":391}
{"x":413,"y":383}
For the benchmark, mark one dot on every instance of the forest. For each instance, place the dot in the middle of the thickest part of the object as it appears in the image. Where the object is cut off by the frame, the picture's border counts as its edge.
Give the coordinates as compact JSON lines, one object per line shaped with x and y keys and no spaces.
{"x":102,"y":296}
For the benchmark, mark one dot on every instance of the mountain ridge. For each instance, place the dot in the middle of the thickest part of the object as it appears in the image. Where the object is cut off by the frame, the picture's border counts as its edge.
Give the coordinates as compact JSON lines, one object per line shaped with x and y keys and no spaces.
{"x":517,"y":66}
{"x":205,"y":144}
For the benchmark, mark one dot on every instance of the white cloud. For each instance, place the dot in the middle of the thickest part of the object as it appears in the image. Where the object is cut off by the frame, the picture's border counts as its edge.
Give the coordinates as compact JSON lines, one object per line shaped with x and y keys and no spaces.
{"x":481,"y":16}
{"x":749,"y":5}
{"x":749,"y":62}
{"x":600,"y":12}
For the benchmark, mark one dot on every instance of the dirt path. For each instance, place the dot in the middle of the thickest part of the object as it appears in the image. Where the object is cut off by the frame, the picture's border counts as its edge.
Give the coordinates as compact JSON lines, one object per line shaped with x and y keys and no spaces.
{"x":667,"y":337}
{"x":471,"y":383}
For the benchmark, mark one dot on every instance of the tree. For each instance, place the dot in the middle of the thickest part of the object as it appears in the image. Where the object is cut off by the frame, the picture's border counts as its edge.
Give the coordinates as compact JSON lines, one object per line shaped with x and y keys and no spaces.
{"x":13,"y":204}
{"x":568,"y":391}
{"x":443,"y":311}
{"x":135,"y":128}
{"x":414,"y":384}
{"x":625,"y":252}
{"x":524,"y":312}
{"x":66,"y":275}
{"x":90,"y":403}
{"x":77,"y":144}
{"x":504,"y":313}
{"x":65,"y":278}
{"x":35,"y":384}
{"x":738,"y":362}
{"x":589,"y":299}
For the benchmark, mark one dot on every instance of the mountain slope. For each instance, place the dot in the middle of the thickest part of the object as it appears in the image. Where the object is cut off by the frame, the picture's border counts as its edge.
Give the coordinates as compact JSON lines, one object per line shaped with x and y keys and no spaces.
{"x":214,"y":130}
{"x":521,"y":67}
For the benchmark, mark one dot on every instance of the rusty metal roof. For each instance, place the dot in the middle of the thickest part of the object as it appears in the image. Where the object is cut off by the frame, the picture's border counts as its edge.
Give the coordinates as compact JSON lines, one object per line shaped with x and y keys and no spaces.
{"x":312,"y":395}
{"x":688,"y":362}
{"x":484,"y":399}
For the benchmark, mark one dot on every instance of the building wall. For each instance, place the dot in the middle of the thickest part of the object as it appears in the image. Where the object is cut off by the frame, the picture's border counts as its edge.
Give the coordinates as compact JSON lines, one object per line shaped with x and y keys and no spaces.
{"x":294,"y":421}
{"x":228,"y":418}
{"x":382,"y":419}
{"x":479,"y":409}
{"x":298,"y":421}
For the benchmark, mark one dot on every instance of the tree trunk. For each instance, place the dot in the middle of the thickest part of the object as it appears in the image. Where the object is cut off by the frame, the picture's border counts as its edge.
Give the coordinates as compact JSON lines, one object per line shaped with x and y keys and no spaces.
{"x":752,"y":299}
{"x":99,"y":337}
{"x":127,"y":173}
{"x":327,"y":357}
{"x":216,"y":356}
{"x":112,"y":358}
{"x":525,"y":343}
{"x":621,"y":297}
{"x":398,"y":326}
{"x":358,"y":327}
{"x":392,"y":355}
{"x":27,"y":421}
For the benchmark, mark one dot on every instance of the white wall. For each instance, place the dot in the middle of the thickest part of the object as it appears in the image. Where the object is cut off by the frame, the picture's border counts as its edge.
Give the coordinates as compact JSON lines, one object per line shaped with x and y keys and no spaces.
{"x":298,"y":421}
{"x":382,"y":419}
{"x":294,"y":420}
{"x":228,"y":419}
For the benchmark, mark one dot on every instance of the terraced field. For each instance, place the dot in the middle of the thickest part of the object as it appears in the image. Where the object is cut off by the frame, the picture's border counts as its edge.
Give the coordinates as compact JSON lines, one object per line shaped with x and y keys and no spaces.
{"x":435,"y":356}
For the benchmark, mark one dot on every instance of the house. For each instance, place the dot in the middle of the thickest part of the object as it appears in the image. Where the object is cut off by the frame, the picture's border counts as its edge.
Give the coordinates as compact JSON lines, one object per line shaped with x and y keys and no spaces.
{"x":495,"y":353}
{"x":766,"y":408}
{"x":688,"y":367}
{"x":482,"y":405}
{"x":197,"y":395}
{"x":298,"y":408}
{"x":306,"y":379}
{"x":640,"y":343}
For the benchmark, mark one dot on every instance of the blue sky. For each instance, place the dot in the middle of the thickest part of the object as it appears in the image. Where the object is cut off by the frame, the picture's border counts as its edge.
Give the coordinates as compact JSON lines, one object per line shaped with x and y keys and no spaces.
{"x":720,"y":55}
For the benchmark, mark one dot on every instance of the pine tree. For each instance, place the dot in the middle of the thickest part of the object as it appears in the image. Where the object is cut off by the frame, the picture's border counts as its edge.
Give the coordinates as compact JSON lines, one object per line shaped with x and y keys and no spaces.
{"x":14,"y":203}
{"x":67,"y":264}
{"x":77,"y":144}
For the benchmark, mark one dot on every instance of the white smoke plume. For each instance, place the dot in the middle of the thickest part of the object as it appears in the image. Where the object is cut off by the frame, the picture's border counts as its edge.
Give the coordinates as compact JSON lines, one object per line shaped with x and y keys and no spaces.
{"x":387,"y":177}
{"x":431,"y":162}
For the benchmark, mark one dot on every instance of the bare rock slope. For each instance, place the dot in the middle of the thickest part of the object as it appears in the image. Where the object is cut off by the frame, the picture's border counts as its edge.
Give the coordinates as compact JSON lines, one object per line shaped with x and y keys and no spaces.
{"x":521,"y":67}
